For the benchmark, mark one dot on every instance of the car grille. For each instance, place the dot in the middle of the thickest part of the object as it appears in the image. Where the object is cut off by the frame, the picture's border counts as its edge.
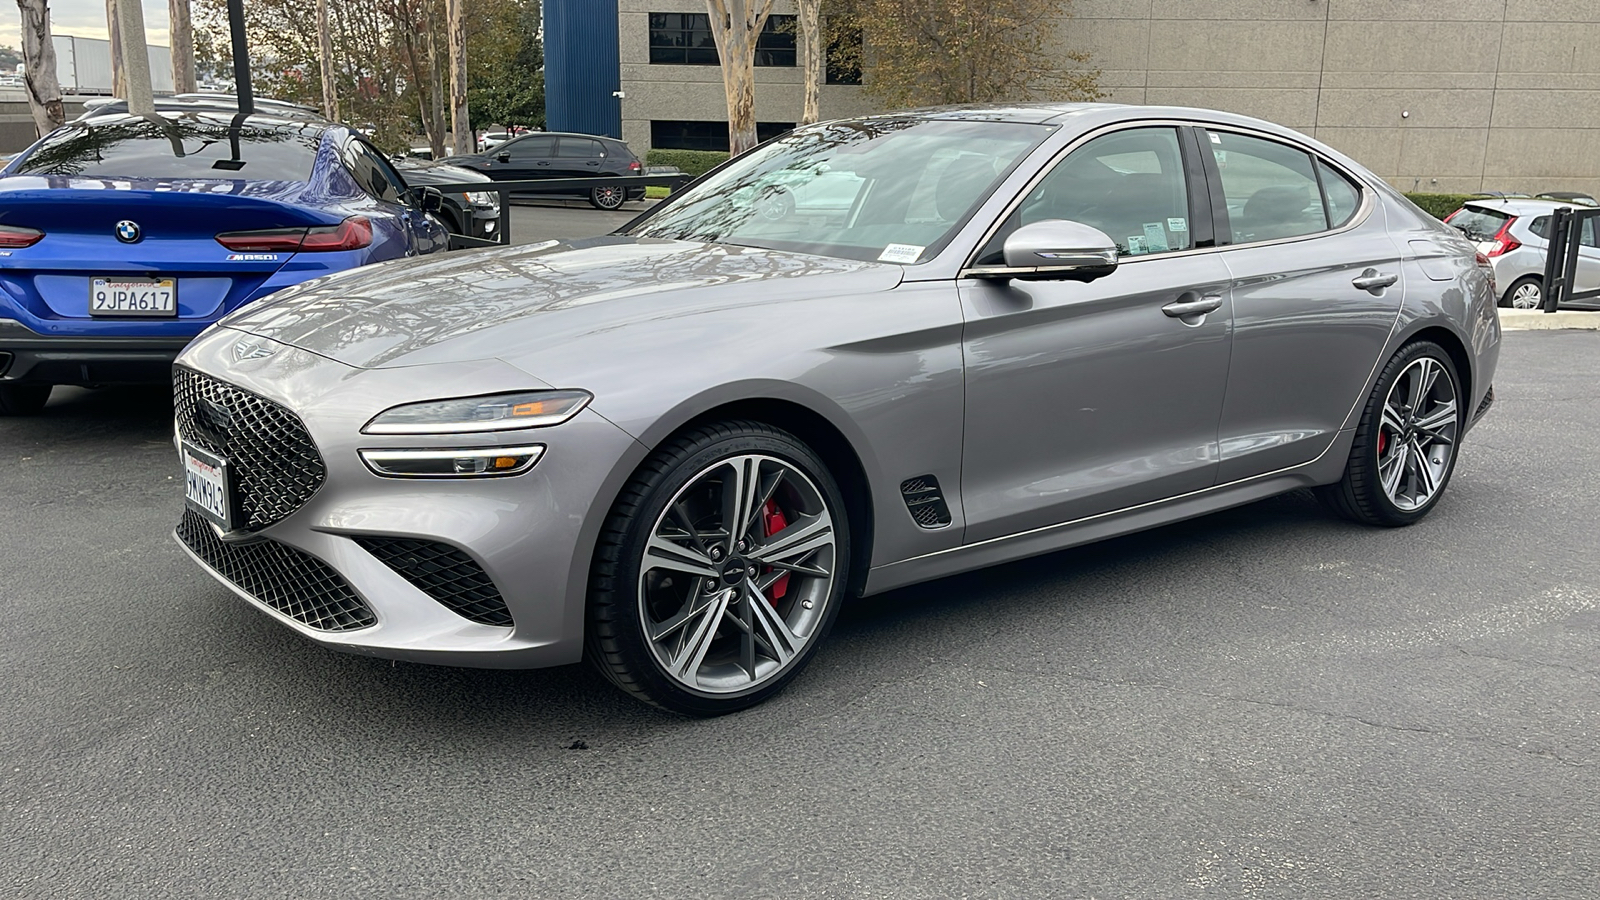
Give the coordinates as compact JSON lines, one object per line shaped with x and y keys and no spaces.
{"x":290,"y":581}
{"x":274,"y":463}
{"x":444,"y":573}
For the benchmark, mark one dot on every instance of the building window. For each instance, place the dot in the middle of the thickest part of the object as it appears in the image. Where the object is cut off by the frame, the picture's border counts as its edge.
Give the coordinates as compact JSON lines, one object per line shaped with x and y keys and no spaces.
{"x":843,"y":62}
{"x":684,"y":39}
{"x":672,"y":134}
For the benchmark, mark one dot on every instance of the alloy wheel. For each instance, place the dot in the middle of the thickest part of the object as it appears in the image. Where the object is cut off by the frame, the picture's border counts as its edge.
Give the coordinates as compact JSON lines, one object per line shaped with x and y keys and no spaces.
{"x":609,"y":197}
{"x":737,"y":574}
{"x":1417,"y":436}
{"x":1527,"y":296}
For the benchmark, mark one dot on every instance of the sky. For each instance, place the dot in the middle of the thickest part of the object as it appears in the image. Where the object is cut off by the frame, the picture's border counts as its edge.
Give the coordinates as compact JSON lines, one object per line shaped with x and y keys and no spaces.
{"x":82,"y":18}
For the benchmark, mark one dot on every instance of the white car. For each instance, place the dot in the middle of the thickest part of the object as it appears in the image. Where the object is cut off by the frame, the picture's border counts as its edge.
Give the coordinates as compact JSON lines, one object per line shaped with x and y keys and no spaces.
{"x":491,"y":139}
{"x":1514,"y":235}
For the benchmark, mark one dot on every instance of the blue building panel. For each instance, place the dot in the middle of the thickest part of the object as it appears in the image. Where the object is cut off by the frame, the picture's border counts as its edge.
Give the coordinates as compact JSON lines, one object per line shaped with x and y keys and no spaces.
{"x":582,"y":67}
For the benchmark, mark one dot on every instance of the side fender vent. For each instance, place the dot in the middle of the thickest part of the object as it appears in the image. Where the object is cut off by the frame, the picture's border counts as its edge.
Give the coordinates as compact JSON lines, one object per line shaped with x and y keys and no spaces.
{"x":925,"y":501}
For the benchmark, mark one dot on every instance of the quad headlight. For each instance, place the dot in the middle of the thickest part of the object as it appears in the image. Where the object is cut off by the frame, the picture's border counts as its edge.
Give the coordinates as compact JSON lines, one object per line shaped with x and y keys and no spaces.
{"x":473,"y":415}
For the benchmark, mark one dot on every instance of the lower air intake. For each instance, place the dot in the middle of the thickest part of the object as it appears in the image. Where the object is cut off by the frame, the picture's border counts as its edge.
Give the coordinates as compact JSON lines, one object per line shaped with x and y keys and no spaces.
{"x":290,"y":581}
{"x":925,"y":502}
{"x":445,"y":573}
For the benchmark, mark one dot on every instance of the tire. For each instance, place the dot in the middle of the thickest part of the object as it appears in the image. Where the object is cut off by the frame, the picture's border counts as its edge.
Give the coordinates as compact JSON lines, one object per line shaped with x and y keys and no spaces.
{"x":1401,"y":462}
{"x":608,"y":196}
{"x":23,"y":399}
{"x":1531,"y":289}
{"x":684,"y":618}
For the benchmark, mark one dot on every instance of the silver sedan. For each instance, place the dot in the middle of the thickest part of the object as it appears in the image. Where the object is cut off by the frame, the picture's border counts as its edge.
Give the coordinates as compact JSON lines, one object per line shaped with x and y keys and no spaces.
{"x":677,"y":449}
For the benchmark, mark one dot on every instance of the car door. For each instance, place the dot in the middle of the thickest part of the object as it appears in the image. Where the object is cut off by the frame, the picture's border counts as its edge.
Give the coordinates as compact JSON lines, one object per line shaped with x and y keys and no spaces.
{"x":525,"y":157}
{"x":1083,"y":398}
{"x":400,"y":228}
{"x":1316,"y":287}
{"x":579,"y":157}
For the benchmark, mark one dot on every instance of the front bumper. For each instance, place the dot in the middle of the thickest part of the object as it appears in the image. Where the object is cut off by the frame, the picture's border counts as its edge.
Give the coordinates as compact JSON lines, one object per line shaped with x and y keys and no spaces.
{"x":532,"y":534}
{"x":27,"y":356}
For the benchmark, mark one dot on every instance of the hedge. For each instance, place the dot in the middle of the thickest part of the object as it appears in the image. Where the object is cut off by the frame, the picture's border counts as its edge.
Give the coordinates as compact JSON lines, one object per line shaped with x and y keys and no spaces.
{"x":693,"y":162}
{"x":1439,"y":205}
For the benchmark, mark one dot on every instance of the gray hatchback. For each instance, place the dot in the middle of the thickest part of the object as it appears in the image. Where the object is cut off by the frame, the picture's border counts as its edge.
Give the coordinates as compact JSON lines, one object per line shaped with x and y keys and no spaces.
{"x":869,"y":353}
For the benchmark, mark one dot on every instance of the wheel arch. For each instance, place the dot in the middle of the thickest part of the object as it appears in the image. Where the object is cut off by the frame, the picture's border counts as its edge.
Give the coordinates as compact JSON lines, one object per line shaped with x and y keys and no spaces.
{"x":1454,"y":346}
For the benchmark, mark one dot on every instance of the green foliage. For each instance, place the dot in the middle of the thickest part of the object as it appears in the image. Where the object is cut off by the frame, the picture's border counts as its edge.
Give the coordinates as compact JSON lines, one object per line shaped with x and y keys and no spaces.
{"x":692,"y":162}
{"x":1439,"y":205}
{"x":511,"y":90}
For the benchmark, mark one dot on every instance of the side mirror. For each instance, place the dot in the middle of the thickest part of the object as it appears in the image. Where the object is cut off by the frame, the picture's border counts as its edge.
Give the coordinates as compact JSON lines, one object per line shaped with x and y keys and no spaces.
{"x":1056,"y":249}
{"x":428,"y":199}
{"x":503,"y":157}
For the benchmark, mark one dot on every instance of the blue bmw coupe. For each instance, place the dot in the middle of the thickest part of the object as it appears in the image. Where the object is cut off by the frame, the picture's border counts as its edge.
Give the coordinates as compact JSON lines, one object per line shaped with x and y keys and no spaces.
{"x":122,"y":236}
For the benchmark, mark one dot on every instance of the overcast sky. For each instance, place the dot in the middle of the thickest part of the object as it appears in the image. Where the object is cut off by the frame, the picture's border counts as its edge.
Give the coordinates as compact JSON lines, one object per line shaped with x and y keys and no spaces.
{"x":82,"y":18}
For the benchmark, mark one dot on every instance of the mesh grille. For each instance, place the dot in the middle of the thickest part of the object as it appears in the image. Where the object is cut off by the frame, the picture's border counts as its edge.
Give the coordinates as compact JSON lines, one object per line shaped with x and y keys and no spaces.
{"x":924,"y":502}
{"x":274,"y":464}
{"x":294,"y":583}
{"x":444,"y":573}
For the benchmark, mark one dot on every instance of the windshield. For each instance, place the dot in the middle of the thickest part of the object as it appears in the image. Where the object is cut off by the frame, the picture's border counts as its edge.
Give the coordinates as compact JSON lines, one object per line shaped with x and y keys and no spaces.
{"x":890,"y":189}
{"x":185,"y":146}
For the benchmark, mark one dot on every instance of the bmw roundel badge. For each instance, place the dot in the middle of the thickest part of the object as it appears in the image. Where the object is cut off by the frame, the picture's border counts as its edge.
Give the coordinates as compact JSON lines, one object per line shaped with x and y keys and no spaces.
{"x":128,"y":232}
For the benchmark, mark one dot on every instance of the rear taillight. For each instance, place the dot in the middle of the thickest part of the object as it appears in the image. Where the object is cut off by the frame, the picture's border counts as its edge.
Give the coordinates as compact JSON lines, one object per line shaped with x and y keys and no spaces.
{"x":634,"y":166}
{"x":1503,"y":242}
{"x":351,"y":234}
{"x":13,"y":237}
{"x":1488,"y":269}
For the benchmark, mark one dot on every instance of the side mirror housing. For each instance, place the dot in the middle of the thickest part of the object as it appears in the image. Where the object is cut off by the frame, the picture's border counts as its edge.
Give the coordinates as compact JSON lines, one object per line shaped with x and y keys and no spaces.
{"x":503,"y":157}
{"x":1055,"y":249}
{"x":428,"y":199}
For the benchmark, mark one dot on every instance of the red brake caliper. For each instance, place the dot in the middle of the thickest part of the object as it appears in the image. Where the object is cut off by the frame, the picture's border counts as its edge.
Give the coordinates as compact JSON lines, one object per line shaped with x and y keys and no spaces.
{"x":1383,"y":441}
{"x":772,"y":522}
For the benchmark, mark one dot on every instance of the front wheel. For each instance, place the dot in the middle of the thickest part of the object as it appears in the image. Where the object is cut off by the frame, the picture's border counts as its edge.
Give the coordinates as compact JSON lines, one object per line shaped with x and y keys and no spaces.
{"x":609,"y":196}
{"x":23,"y":399}
{"x":1405,"y":447}
{"x":719,"y":571}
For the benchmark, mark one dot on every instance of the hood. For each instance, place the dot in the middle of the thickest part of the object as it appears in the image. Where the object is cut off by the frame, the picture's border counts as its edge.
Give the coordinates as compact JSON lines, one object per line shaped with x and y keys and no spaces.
{"x":509,"y":303}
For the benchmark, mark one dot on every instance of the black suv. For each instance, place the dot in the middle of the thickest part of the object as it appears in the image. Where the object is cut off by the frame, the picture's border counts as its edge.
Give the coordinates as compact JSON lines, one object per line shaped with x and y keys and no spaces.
{"x":559,"y":155}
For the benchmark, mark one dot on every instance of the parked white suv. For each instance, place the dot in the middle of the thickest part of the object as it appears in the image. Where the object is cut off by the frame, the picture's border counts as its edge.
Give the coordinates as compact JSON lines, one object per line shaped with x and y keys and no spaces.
{"x":1513,"y":234}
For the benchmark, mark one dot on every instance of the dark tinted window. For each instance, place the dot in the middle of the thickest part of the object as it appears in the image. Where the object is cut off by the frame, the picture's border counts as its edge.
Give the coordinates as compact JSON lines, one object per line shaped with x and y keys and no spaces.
{"x":674,"y":134}
{"x":685,"y":39}
{"x":1341,"y":197}
{"x":1477,"y":223}
{"x":537,"y":147}
{"x":570,"y":148}
{"x":1270,"y":188}
{"x":185,"y":146}
{"x":373,"y":172}
{"x":1541,"y":227}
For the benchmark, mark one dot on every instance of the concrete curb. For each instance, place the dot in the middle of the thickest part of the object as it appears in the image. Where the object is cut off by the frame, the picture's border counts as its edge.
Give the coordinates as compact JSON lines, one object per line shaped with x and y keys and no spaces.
{"x":1537,"y":320}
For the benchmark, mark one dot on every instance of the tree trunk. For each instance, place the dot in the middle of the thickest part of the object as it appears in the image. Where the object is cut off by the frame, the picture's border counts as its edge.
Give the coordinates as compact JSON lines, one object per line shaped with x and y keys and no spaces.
{"x":735,"y":24}
{"x":135,"y":58}
{"x":182,"y":38}
{"x":811,"y":58}
{"x":119,"y":74}
{"x":460,"y":120}
{"x":39,"y":66}
{"x":435,"y":114}
{"x":330,"y":93}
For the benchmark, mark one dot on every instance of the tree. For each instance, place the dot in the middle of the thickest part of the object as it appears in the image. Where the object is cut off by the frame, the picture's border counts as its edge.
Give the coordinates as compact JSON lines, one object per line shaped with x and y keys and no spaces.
{"x":182,"y":36}
{"x":811,"y":58}
{"x":460,"y":116}
{"x":10,"y":58}
{"x":922,"y":52}
{"x":330,"y":92}
{"x":39,"y":66}
{"x":735,"y":25}
{"x":510,"y":92}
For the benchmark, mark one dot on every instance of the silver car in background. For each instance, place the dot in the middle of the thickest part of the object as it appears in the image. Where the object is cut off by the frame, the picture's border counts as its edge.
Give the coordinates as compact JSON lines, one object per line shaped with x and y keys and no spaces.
{"x":677,"y":449}
{"x":1514,"y":235}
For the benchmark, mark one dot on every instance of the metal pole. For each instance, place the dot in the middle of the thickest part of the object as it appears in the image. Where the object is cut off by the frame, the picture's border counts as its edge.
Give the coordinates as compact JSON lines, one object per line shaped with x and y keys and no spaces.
{"x":135,"y":57}
{"x":241,"y":58}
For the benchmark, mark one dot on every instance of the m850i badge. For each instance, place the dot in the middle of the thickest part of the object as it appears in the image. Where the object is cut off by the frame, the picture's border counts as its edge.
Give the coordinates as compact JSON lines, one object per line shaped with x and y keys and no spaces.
{"x":253,"y":257}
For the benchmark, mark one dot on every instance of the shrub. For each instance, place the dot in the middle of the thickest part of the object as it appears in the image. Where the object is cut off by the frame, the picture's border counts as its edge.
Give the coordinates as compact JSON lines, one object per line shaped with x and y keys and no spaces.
{"x":1439,"y":205}
{"x":693,"y":162}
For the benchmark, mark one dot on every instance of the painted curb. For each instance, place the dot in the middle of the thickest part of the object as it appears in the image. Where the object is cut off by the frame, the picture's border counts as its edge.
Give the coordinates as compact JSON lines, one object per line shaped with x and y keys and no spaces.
{"x":1535,"y":320}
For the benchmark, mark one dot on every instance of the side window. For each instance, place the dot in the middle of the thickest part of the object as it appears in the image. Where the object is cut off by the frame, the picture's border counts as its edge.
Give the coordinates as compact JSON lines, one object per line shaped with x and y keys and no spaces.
{"x":578,"y":148}
{"x":1541,"y":227}
{"x":1341,"y":196}
{"x":1587,"y":239}
{"x":373,"y":172}
{"x":1270,"y":189}
{"x":1129,"y":184}
{"x":531,"y":148}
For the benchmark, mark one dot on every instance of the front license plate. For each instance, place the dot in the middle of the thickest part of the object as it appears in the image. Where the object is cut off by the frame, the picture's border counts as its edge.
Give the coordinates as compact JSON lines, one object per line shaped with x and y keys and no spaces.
{"x":133,"y":297}
{"x":205,"y":486}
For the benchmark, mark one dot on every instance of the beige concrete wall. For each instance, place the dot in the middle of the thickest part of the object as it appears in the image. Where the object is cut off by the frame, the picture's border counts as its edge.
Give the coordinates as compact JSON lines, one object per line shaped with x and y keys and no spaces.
{"x":1497,"y":94}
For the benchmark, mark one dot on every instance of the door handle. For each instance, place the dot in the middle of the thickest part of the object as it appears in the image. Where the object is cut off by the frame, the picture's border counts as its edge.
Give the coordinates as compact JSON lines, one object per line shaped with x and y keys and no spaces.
{"x":1370,"y":280}
{"x":1191,"y":308}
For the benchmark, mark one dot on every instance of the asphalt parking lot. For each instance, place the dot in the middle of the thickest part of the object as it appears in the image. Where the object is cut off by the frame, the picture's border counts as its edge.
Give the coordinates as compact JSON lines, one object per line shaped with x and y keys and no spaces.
{"x":543,"y":220}
{"x":1266,"y":702}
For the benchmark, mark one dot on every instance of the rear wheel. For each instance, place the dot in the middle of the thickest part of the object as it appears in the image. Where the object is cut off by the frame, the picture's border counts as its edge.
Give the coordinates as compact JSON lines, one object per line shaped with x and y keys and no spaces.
{"x":23,"y":399}
{"x":608,"y":196}
{"x":1525,"y":293}
{"x":1405,"y":447}
{"x":719,"y":571}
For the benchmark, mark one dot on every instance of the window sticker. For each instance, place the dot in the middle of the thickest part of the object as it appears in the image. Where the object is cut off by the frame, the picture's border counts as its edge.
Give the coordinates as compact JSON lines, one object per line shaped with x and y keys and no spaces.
{"x":900,"y":253}
{"x":1136,"y":244}
{"x":1177,"y":225}
{"x":1215,"y":138}
{"x":1155,"y":238}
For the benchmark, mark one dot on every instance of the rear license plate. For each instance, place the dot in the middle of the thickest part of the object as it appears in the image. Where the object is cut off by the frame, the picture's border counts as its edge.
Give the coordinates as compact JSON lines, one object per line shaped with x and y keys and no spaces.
{"x":205,"y":486}
{"x":115,"y":296}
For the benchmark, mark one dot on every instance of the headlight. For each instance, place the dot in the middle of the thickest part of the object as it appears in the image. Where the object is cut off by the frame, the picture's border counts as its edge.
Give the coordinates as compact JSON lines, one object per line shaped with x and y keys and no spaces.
{"x":483,"y":199}
{"x":467,"y":415}
{"x":460,"y":463}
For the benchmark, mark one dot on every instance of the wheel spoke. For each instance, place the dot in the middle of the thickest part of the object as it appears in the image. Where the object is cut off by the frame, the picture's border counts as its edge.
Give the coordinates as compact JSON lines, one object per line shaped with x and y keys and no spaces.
{"x":661,"y":553}
{"x":1390,"y":470}
{"x":682,"y":519}
{"x":1422,"y":379}
{"x":693,"y":650}
{"x":1435,"y":421}
{"x":773,"y":630}
{"x":1425,"y":481}
{"x":794,"y":542}
{"x":740,"y":495}
{"x":696,"y":605}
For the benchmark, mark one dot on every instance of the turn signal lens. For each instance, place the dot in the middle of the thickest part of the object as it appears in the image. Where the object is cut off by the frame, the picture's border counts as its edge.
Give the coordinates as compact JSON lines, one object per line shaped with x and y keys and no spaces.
{"x":351,"y":234}
{"x":452,"y":463}
{"x":467,"y":415}
{"x":13,"y":237}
